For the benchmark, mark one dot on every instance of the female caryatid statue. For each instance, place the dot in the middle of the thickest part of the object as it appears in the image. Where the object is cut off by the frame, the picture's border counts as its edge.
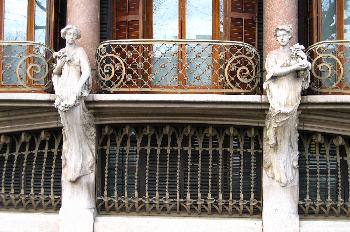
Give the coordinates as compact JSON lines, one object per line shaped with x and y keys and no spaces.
{"x":71,"y":78}
{"x":287,"y":75}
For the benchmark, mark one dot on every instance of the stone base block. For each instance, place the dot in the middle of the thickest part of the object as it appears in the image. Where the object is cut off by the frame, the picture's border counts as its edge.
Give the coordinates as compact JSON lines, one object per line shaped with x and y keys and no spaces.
{"x":73,"y":220}
{"x":280,"y":222}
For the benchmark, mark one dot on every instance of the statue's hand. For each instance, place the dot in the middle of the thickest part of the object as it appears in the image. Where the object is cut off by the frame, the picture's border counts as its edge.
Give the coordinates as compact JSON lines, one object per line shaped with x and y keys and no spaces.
{"x":301,"y":66}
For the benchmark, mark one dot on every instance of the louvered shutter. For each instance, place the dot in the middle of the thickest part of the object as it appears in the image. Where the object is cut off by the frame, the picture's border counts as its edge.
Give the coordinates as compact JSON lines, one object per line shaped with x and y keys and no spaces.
{"x":128,"y":19}
{"x":240,"y":21}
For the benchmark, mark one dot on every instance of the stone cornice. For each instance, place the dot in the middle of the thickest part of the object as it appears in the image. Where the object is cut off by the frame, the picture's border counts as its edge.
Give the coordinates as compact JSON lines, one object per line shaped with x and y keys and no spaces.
{"x":27,"y":111}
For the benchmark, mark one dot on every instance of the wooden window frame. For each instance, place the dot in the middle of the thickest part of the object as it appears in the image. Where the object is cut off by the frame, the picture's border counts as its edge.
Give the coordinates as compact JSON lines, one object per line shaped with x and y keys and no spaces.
{"x":51,"y":19}
{"x":30,"y":30}
{"x":182,"y":35}
{"x":315,"y":14}
{"x":145,"y":19}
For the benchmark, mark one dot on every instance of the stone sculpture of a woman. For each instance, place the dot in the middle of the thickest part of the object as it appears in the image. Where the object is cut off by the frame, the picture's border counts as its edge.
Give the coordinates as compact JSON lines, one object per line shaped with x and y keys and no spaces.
{"x":287,"y":75}
{"x":71,"y":78}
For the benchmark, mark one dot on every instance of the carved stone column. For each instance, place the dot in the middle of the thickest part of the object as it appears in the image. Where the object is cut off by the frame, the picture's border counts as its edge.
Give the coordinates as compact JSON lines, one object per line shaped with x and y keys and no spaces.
{"x":287,"y":75}
{"x":279,"y":12}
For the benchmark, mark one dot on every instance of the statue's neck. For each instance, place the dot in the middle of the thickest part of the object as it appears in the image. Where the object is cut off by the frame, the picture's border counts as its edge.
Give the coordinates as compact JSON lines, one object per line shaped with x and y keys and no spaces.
{"x":285,"y":49}
{"x":70,"y":46}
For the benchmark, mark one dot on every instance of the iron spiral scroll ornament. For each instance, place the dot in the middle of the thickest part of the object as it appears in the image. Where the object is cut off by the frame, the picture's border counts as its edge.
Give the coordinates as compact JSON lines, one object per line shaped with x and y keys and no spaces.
{"x":245,"y":74}
{"x":111,"y":68}
{"x":27,"y":64}
{"x":329,"y":66}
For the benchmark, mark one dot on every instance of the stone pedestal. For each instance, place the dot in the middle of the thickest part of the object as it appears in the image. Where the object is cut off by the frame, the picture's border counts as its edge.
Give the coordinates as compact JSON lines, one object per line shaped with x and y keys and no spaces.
{"x":73,"y":220}
{"x":280,"y":212}
{"x":78,"y":205}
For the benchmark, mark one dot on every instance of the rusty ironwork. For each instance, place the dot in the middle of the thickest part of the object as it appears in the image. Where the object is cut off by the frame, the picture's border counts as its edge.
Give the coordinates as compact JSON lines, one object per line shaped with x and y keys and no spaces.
{"x":330,"y":67}
{"x":191,"y":170}
{"x":24,"y":66}
{"x":324,"y":167}
{"x":30,"y":169}
{"x":178,"y":66}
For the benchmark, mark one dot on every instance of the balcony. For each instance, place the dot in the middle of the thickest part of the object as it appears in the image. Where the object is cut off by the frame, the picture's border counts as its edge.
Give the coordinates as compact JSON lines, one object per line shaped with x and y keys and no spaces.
{"x":24,"y":66}
{"x":178,"y":66}
{"x":173,"y":66}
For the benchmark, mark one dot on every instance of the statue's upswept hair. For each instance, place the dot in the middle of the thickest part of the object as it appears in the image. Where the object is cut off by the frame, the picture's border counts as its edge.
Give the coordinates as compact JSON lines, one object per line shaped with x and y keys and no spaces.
{"x":286,"y":27}
{"x":70,"y":27}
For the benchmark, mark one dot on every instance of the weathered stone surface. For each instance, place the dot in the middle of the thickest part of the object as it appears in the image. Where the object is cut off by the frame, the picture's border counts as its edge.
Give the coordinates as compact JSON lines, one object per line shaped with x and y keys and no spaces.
{"x":71,"y":78}
{"x":287,"y":75}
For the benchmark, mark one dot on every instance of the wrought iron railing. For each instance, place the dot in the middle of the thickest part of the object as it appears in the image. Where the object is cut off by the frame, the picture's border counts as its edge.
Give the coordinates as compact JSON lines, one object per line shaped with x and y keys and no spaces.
{"x":330,"y":70}
{"x":180,"y":169}
{"x":178,"y":66}
{"x":324,"y":167}
{"x":24,"y":66}
{"x":30,"y":169}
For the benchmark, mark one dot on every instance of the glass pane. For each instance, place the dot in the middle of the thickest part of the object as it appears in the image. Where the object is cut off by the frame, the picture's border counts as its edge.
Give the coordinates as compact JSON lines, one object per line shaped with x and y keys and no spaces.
{"x":40,"y":21}
{"x":165,"y":56}
{"x":347,"y":36}
{"x":15,"y":20}
{"x":198,"y":56}
{"x":328,"y":20}
{"x":198,"y":19}
{"x":347,"y":19}
{"x":221,"y":19}
{"x":15,"y":28}
{"x":165,"y":19}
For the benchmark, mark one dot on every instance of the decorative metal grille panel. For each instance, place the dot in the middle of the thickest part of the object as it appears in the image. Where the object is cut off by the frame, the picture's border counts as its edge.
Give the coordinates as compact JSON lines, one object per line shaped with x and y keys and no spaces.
{"x":178,"y":66}
{"x":324,"y":175}
{"x":330,"y":70}
{"x":30,"y":169}
{"x":24,"y":66}
{"x":180,"y":169}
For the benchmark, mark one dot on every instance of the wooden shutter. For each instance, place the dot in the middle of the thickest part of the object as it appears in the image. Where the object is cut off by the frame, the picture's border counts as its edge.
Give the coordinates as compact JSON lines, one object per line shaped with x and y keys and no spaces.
{"x":128,"y":19}
{"x":240,"y":21}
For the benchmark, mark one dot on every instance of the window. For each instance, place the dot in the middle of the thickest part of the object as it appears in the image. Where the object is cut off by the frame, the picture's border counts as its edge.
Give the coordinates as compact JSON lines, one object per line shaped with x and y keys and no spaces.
{"x":329,"y":20}
{"x":24,"y":64}
{"x":185,"y":64}
{"x":186,"y":19}
{"x":24,"y":20}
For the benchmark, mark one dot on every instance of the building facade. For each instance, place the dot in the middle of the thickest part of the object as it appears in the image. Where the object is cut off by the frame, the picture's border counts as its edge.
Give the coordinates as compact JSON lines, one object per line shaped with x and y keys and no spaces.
{"x":179,"y":107}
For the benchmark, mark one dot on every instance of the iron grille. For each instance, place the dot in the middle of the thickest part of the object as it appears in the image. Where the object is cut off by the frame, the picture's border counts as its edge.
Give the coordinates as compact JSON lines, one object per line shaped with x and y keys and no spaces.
{"x":324,"y":175}
{"x":180,"y":169}
{"x":30,"y":169}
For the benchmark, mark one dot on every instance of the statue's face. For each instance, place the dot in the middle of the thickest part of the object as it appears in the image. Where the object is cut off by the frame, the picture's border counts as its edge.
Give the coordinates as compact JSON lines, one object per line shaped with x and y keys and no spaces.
{"x":283,"y":37}
{"x":71,"y":36}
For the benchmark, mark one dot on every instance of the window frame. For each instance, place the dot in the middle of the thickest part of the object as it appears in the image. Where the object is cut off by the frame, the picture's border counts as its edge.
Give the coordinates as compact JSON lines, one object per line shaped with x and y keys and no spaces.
{"x":315,"y":16}
{"x":50,"y":32}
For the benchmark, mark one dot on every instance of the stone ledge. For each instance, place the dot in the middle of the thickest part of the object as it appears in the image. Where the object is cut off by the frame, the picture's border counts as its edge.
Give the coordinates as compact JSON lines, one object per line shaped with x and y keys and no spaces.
{"x":28,"y":111}
{"x":48,"y":222}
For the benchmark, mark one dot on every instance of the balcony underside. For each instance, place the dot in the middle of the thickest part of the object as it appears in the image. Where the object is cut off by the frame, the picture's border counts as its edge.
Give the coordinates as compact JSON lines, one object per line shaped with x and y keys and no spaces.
{"x":33,"y":111}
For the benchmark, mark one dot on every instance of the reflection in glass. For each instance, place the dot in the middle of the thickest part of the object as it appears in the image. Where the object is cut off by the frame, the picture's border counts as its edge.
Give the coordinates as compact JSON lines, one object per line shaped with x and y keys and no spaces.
{"x":165,"y":19}
{"x":15,"y":20}
{"x":347,"y":36}
{"x":347,"y":19}
{"x":15,"y":28}
{"x":199,"y":19}
{"x":198,"y":26}
{"x":40,"y":21}
{"x":165,"y":56}
{"x":221,"y":19}
{"x":328,"y":20}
